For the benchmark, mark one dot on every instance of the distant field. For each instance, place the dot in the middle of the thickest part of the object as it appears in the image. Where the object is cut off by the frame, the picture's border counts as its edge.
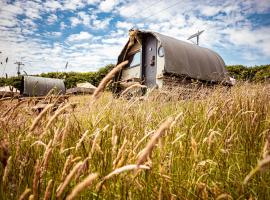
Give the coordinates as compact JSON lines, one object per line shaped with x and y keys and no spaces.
{"x":203,"y":144}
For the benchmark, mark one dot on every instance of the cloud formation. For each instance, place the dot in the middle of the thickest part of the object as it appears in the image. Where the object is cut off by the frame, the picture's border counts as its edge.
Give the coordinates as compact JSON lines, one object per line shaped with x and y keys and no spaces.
{"x":90,"y":33}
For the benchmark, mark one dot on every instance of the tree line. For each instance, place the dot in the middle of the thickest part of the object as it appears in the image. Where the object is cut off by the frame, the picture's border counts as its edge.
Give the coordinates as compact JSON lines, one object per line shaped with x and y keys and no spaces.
{"x":239,"y":72}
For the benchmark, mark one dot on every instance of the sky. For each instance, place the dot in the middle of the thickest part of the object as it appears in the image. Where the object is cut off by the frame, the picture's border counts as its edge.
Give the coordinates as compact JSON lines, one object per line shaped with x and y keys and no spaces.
{"x":89,"y":34}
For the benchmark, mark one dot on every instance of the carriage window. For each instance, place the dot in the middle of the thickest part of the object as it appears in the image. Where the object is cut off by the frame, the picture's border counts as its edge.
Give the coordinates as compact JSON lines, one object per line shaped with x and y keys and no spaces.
{"x":135,"y":59}
{"x":160,"y":51}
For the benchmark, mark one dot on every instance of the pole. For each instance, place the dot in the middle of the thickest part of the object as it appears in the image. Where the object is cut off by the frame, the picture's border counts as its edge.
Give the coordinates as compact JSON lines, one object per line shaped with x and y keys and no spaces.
{"x":19,"y":67}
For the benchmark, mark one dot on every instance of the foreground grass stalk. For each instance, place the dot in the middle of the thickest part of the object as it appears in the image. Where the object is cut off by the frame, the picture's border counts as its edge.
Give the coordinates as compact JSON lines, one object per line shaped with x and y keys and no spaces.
{"x":150,"y":145}
{"x":48,"y":190}
{"x":7,"y":171}
{"x":39,"y":117}
{"x":217,"y":147}
{"x":107,"y":78}
{"x":82,"y":186}
{"x":25,"y":194}
{"x":68,"y":179}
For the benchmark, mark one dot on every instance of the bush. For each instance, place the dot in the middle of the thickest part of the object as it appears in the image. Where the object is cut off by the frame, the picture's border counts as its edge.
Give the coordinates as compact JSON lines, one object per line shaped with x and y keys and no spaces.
{"x":256,"y":73}
{"x":239,"y":72}
{"x":71,"y":78}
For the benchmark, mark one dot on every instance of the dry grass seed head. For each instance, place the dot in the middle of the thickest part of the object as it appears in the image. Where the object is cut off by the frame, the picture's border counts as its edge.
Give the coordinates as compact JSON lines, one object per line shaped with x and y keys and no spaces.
{"x":150,"y":145}
{"x":107,"y":78}
{"x":79,"y":143}
{"x":36,"y":179}
{"x":58,"y":112}
{"x":125,"y":168}
{"x":261,"y":166}
{"x":4,"y":152}
{"x":48,"y":191}
{"x":65,"y":133}
{"x":82,"y":185}
{"x":47,"y":155}
{"x":38,"y":142}
{"x":68,"y":179}
{"x":136,"y":85}
{"x":224,"y":196}
{"x":194,"y":146}
{"x":176,"y":119}
{"x":94,"y":144}
{"x":66,"y":167}
{"x":39,"y":117}
{"x":25,"y":194}
{"x":7,"y":170}
{"x":114,"y":141}
{"x":13,"y":108}
{"x":266,"y":148}
{"x":119,"y":154}
{"x":144,"y":137}
{"x":57,"y":136}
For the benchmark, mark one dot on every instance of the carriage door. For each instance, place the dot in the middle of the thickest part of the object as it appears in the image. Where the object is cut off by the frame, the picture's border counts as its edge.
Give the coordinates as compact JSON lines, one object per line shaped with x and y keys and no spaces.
{"x":150,"y":64}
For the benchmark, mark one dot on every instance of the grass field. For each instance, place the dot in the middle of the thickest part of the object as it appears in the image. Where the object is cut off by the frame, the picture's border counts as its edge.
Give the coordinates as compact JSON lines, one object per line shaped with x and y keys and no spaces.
{"x":211,"y":144}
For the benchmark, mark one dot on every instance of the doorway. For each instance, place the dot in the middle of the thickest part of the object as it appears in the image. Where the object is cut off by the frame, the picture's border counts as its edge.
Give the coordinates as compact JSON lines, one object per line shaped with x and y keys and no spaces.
{"x":149,"y":61}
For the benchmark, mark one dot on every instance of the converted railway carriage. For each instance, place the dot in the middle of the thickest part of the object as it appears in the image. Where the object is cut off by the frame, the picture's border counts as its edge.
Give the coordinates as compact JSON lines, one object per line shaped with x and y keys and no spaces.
{"x":154,"y":57}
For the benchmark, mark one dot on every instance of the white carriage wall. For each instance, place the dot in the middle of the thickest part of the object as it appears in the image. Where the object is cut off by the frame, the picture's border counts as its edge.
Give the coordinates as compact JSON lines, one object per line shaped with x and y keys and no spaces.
{"x":160,"y":67}
{"x":131,"y":73}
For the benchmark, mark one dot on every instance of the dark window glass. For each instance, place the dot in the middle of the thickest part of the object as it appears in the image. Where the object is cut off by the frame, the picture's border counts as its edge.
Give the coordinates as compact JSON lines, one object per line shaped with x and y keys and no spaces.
{"x":135,"y":59}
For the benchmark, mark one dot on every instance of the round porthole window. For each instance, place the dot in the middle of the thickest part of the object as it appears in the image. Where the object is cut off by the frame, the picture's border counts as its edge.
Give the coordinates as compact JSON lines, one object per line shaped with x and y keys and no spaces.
{"x":160,"y":51}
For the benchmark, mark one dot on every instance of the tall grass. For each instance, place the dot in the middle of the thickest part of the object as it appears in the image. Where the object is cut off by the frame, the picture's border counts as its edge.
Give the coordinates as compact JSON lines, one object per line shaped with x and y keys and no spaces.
{"x":202,"y":144}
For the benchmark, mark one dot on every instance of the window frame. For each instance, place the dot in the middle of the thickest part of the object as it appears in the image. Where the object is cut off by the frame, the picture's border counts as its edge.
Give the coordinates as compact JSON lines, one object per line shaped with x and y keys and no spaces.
{"x":161,"y":54}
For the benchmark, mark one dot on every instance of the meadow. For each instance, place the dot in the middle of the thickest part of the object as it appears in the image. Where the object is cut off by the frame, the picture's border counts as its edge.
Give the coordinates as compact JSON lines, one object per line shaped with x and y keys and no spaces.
{"x":207,"y":143}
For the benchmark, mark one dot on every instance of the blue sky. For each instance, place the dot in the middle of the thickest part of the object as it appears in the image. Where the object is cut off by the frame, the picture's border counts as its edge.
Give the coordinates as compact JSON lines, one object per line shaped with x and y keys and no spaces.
{"x":89,"y":34}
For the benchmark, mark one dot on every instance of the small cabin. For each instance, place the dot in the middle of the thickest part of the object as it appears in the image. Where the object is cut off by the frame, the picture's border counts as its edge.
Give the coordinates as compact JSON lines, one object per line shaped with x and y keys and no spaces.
{"x":154,"y":57}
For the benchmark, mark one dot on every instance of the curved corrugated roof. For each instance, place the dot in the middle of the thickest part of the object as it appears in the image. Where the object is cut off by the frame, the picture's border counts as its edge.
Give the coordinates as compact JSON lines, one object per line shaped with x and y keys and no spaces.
{"x":40,"y":86}
{"x":191,"y":60}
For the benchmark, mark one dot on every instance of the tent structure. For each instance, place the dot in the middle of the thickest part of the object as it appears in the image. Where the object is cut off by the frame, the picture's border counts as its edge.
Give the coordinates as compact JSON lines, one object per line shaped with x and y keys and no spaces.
{"x":153,"y":56}
{"x":82,"y":88}
{"x":7,"y":91}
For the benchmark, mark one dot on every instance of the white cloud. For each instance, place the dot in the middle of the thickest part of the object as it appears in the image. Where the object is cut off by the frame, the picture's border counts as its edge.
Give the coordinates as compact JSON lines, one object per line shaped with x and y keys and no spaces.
{"x":124,"y":25}
{"x":79,"y":37}
{"x":52,"y":5}
{"x":101,"y":24}
{"x":52,"y":18}
{"x":107,"y":5}
{"x":210,"y":10}
{"x":257,"y":39}
{"x":84,"y":18}
{"x":32,"y":9}
{"x":73,"y":4}
{"x":74,"y":21}
{"x":63,"y":25}
{"x":92,"y":2}
{"x":96,"y":45}
{"x":12,"y":9}
{"x":8,"y":23}
{"x":56,"y":34}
